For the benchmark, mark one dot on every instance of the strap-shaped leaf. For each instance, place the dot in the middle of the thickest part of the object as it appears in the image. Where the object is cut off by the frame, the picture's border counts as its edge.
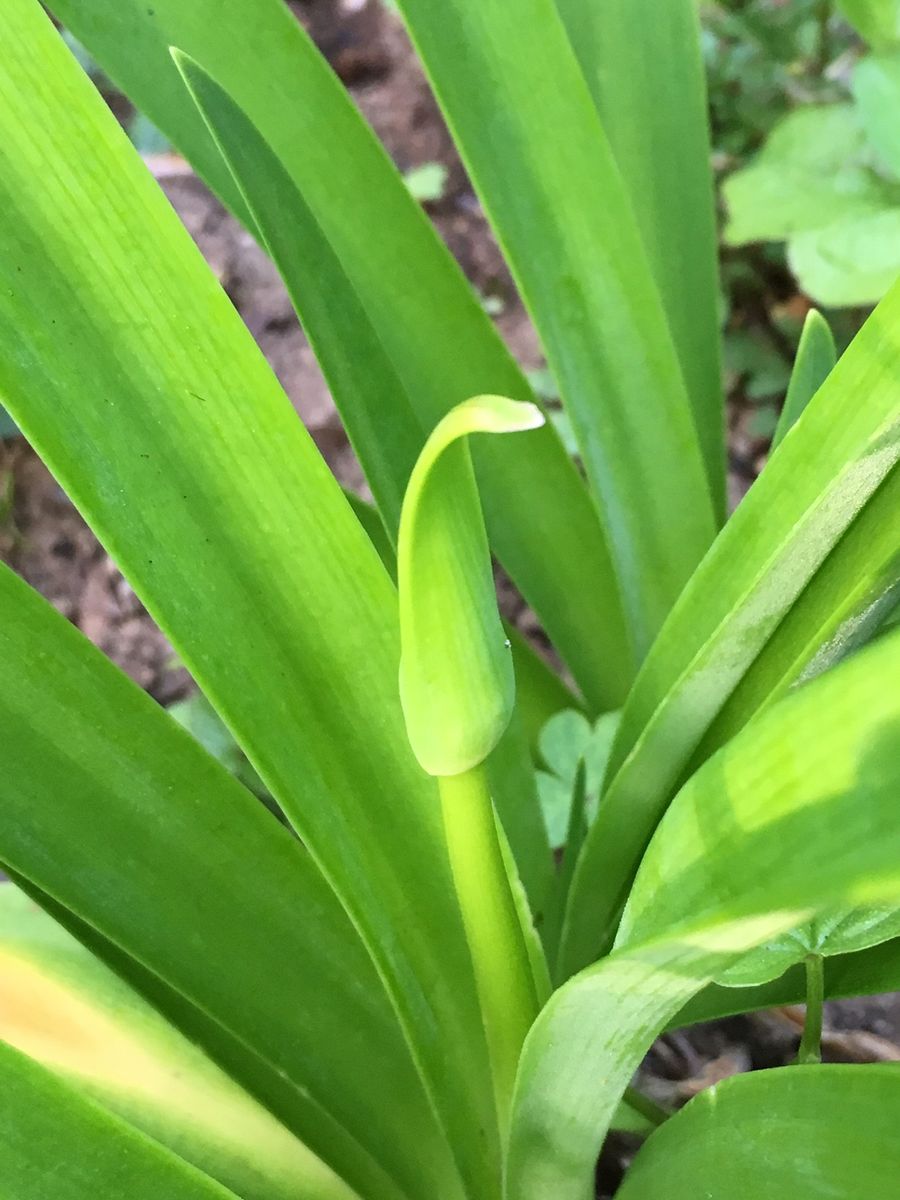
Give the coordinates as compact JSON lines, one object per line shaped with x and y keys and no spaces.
{"x":384,"y":430}
{"x":829,"y":746}
{"x":118,"y":815}
{"x":823,"y":1133}
{"x":509,"y":83}
{"x":58,"y":1144}
{"x":809,"y":553}
{"x":539,"y":694}
{"x":61,"y":1007}
{"x":853,"y":593}
{"x":456,"y":672}
{"x":134,"y":378}
{"x":796,"y":815}
{"x":816,"y":356}
{"x":432,"y":328}
{"x":642,"y":62}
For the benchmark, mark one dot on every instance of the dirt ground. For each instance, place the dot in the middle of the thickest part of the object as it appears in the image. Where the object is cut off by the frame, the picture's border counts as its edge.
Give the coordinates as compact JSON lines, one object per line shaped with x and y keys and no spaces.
{"x":45,"y":540}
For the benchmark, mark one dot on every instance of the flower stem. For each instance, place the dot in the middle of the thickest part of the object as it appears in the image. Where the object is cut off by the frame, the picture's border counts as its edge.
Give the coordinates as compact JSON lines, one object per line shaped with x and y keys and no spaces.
{"x":811,"y":1043}
{"x":503,"y":977}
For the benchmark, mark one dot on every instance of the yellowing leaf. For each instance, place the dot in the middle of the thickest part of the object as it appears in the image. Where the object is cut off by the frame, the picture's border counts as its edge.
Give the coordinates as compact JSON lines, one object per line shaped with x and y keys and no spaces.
{"x":63,"y":1008}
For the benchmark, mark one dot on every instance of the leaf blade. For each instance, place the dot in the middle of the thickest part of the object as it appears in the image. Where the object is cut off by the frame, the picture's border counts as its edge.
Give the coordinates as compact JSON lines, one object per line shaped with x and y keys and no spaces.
{"x":64,"y":1010}
{"x":45,"y":1123}
{"x":385,"y":431}
{"x":143,"y":419}
{"x":413,"y":292}
{"x":643,"y":64}
{"x":825,"y":1131}
{"x":796,"y":564}
{"x":563,"y":216}
{"x":816,"y":358}
{"x":804,"y":801}
{"x":173,"y":832}
{"x":862,"y":973}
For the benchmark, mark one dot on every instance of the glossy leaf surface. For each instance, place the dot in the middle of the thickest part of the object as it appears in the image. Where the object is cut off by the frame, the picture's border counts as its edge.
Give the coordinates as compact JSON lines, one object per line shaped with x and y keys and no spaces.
{"x":150,"y":402}
{"x":642,"y":63}
{"x":61,"y":1007}
{"x":810,"y":551}
{"x":427,"y":318}
{"x":509,"y":82}
{"x":796,"y":815}
{"x":45,"y":1124}
{"x":821,"y":1132}
{"x":172,"y":832}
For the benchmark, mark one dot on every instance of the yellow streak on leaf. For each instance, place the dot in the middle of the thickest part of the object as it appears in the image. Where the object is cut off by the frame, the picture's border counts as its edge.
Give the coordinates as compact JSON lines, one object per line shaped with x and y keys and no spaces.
{"x":136,"y":1059}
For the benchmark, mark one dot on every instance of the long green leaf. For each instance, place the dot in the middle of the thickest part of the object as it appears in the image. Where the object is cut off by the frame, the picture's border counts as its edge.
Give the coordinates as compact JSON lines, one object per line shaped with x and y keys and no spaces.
{"x":131,"y":373}
{"x":100,"y":787}
{"x":513,"y":783}
{"x":539,"y":690}
{"x":57,"y":1144}
{"x":433,"y":331}
{"x":853,"y":592}
{"x":820,"y":1133}
{"x":64,"y":1009}
{"x":509,"y":82}
{"x":383,"y":426}
{"x":642,"y":62}
{"x":816,"y":356}
{"x":806,"y":556}
{"x":680,"y":846}
{"x":384,"y":429}
{"x":796,"y":815}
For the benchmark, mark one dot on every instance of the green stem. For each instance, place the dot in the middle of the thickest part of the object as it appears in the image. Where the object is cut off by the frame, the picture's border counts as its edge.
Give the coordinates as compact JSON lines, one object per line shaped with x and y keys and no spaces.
{"x":648,"y":1108}
{"x":811,"y":1043}
{"x":503,"y":974}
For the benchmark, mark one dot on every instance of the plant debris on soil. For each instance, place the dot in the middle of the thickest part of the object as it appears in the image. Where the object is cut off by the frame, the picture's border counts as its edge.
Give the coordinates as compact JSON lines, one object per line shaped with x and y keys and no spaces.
{"x":46,"y":541}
